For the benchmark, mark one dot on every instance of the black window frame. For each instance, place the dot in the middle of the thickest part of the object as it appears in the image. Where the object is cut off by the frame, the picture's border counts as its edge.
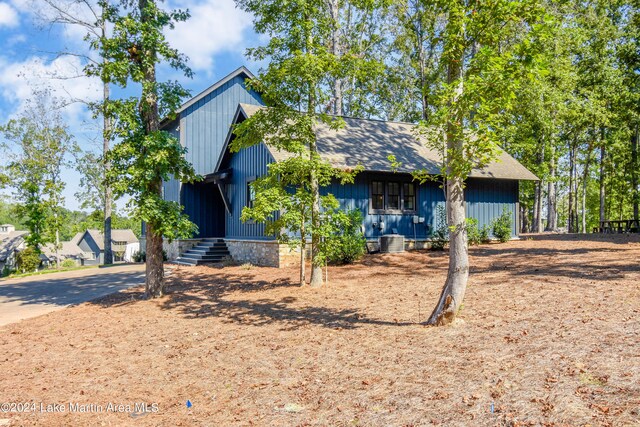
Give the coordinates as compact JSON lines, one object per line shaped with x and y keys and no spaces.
{"x":372,"y":184}
{"x":401,"y":203}
{"x":248,"y":200}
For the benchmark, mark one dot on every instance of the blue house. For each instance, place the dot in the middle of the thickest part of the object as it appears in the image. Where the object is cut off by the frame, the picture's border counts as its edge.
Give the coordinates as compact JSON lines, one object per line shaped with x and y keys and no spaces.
{"x":391,"y":201}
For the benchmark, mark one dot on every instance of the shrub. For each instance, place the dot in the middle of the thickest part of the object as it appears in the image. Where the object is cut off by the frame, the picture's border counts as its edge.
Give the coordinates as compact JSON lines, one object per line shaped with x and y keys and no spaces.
{"x":140,"y":256}
{"x":69,"y":263}
{"x":28,"y":260}
{"x":476,"y":235}
{"x":440,"y":235}
{"x":7,"y":271}
{"x":502,"y":226}
{"x":345,"y":244}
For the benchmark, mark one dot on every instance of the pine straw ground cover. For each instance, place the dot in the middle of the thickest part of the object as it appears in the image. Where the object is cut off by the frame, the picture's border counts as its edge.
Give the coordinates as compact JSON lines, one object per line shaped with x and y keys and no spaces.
{"x":550,"y":335}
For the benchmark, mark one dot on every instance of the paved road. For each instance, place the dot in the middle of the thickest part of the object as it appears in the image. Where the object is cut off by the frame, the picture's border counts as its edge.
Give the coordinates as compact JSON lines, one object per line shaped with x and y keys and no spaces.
{"x":36,"y":295}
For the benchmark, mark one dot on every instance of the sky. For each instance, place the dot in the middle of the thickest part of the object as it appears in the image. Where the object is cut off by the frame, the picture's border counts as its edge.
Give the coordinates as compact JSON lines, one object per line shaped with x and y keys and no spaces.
{"x":215,"y":39}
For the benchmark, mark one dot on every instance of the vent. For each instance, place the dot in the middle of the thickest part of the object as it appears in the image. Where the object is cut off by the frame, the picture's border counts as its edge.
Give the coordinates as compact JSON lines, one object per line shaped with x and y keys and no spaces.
{"x":392,"y":243}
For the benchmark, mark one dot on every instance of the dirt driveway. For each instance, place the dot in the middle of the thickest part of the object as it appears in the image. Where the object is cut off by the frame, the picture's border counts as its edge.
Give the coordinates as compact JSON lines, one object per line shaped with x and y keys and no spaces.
{"x":36,"y":295}
{"x":549,"y":335}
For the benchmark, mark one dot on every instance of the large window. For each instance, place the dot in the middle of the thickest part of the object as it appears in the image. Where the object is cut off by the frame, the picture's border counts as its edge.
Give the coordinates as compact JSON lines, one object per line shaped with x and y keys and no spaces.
{"x":377,"y":195}
{"x":408,"y":196}
{"x":392,"y":196}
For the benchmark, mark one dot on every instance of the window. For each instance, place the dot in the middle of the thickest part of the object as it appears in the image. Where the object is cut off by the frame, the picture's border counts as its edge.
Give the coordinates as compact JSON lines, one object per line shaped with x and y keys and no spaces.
{"x":377,"y":195}
{"x":393,"y":197}
{"x":409,"y":196}
{"x":251,"y":194}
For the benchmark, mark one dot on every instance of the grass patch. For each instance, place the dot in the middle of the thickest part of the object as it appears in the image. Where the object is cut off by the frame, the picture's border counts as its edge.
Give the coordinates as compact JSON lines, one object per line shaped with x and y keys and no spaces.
{"x":47,"y":271}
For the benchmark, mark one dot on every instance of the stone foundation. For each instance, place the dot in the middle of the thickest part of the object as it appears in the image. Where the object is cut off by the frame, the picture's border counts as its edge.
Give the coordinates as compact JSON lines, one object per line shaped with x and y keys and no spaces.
{"x":266,"y":253}
{"x":374,"y":245}
{"x":178,"y":247}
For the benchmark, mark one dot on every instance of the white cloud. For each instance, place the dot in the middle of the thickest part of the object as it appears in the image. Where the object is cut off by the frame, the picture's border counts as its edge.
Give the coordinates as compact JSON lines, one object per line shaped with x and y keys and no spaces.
{"x":8,"y":16}
{"x":19,"y":79}
{"x":215,"y":26}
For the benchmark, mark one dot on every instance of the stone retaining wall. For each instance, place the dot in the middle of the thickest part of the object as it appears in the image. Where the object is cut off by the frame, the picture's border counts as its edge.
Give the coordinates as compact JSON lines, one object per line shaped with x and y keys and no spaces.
{"x":178,"y":247}
{"x":267,"y":253}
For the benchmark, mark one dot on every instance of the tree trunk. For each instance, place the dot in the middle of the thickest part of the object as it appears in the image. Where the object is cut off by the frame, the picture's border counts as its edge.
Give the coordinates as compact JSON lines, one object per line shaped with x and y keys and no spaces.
{"x":316,"y":266}
{"x":303,"y":250}
{"x":602,"y":187}
{"x":57,"y":247}
{"x":552,"y":186}
{"x":570,"y":218}
{"x":585,"y":181}
{"x":154,"y":283}
{"x":634,"y":174}
{"x":151,"y":120}
{"x":337,"y":104}
{"x":524,"y":218}
{"x":458,"y":273}
{"x":536,"y":203}
{"x":106,"y":135}
{"x":455,"y":286}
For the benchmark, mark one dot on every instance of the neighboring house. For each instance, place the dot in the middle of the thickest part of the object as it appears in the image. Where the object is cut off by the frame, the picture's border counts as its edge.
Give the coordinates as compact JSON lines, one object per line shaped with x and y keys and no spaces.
{"x":391,"y":201}
{"x":11,"y":242}
{"x":68,"y":250}
{"x":91,"y":242}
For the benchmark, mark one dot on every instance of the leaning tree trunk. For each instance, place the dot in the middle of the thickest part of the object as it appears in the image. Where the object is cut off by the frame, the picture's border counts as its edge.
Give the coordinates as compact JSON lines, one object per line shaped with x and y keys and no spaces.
{"x":458,"y":274}
{"x":151,"y":121}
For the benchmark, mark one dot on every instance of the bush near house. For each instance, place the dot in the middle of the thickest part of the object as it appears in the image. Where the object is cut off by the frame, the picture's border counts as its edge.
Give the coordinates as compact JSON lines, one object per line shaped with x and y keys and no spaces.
{"x":440,"y":235}
{"x":28,"y":260}
{"x":502,"y":226}
{"x":476,"y":235}
{"x":348,"y":244}
{"x":69,"y":263}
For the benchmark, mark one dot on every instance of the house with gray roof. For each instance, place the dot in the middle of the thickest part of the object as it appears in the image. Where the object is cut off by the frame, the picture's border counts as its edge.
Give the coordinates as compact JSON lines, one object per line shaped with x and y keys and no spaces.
{"x":67,"y":250}
{"x":391,"y":201}
{"x":91,"y":243}
{"x":11,"y":242}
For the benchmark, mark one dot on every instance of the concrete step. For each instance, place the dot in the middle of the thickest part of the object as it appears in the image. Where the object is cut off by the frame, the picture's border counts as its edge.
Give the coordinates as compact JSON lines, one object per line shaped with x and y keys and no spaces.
{"x":202,"y":257}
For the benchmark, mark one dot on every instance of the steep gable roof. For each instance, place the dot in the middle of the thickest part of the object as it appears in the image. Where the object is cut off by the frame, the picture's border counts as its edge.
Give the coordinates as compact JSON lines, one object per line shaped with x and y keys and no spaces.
{"x":241,"y":71}
{"x":10,"y":242}
{"x":117,"y":235}
{"x":369,"y":143}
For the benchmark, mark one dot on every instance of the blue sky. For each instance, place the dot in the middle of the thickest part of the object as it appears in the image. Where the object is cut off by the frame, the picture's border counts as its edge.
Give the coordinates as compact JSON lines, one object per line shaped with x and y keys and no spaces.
{"x":214,"y":39}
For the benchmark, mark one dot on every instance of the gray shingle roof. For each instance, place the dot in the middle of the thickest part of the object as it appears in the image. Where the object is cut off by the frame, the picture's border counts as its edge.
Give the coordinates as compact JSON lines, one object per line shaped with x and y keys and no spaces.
{"x":117,"y":235}
{"x":370,"y":142}
{"x":68,"y":249}
{"x":10,"y":242}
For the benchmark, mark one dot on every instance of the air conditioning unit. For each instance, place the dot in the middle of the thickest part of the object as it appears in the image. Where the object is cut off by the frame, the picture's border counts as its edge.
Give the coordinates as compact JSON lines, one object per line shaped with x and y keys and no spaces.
{"x":392,"y":243}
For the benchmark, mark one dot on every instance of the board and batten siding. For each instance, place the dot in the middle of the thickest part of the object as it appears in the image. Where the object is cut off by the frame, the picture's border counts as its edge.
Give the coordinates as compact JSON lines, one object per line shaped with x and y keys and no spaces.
{"x":247,"y":164}
{"x":357,"y":195}
{"x":485,"y":200}
{"x":204,"y":127}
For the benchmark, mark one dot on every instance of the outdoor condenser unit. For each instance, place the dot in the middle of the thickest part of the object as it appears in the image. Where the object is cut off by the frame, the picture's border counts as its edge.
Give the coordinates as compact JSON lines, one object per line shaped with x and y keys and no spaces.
{"x":392,"y":243}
